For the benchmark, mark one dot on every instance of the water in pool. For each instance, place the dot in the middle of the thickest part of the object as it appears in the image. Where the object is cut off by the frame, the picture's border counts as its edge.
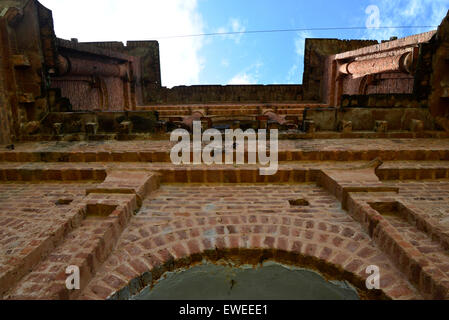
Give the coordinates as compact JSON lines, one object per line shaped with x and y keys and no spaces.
{"x":272,"y":281}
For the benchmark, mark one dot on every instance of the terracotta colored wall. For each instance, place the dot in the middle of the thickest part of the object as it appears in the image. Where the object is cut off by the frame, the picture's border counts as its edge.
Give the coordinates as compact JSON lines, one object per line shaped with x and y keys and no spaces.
{"x":316,"y":52}
{"x":231,"y":94}
{"x":149,"y":74}
{"x":84,"y":97}
{"x":392,"y":67}
{"x":363,"y":119}
{"x":4,"y":105}
{"x":147,"y":69}
{"x":92,"y":80}
{"x":23,"y":100}
{"x":5,"y":134}
{"x":438,"y":78}
{"x":380,"y":84}
{"x":392,"y":83}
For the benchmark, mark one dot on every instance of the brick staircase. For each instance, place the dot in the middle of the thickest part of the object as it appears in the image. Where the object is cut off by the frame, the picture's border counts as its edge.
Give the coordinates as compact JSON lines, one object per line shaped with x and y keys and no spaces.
{"x":213,"y":110}
{"x":99,"y":233}
{"x":104,"y":213}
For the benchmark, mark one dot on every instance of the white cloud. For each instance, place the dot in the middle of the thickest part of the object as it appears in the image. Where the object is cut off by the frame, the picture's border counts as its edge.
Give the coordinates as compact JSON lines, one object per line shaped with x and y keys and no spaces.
{"x":439,"y":11}
{"x":407,"y":13}
{"x":121,"y":20}
{"x":300,"y":42}
{"x":243,"y":78}
{"x":234,"y":25}
{"x":249,"y":75}
{"x":294,"y":74}
{"x":413,"y":9}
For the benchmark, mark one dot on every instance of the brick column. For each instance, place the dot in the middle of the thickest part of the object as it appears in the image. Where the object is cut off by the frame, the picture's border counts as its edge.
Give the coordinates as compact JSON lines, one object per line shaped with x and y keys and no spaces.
{"x":360,"y":68}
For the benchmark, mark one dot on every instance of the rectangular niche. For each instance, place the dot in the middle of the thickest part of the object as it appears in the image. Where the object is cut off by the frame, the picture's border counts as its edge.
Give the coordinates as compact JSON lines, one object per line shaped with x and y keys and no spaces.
{"x":99,"y":210}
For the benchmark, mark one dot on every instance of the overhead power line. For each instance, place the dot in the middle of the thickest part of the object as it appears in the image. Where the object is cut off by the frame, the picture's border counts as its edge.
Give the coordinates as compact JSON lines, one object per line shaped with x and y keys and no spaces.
{"x":287,"y":30}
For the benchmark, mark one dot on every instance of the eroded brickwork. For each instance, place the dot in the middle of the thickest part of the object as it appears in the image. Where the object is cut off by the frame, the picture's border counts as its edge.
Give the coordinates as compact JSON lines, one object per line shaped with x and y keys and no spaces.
{"x":227,"y":212}
{"x":316,"y":52}
{"x":34,"y":218}
{"x":183,"y":220}
{"x":363,"y":176}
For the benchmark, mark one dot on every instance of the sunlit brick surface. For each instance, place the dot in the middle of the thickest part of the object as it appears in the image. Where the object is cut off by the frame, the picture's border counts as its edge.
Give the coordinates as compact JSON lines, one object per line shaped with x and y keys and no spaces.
{"x":200,"y":209}
{"x":29,"y":213}
{"x":32,"y":222}
{"x":415,"y":231}
{"x":291,"y":145}
{"x":362,"y":177}
{"x":180,"y":220}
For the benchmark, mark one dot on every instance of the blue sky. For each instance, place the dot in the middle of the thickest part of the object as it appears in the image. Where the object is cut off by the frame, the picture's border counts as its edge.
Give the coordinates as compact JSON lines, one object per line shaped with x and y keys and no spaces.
{"x":236,"y":59}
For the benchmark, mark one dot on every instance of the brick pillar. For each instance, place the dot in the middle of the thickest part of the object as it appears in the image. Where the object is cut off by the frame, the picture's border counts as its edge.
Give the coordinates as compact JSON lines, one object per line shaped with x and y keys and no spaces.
{"x":5,"y":125}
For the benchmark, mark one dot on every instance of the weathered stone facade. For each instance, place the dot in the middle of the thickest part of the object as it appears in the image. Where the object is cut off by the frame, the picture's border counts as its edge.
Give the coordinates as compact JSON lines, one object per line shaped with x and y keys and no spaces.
{"x":86,"y":177}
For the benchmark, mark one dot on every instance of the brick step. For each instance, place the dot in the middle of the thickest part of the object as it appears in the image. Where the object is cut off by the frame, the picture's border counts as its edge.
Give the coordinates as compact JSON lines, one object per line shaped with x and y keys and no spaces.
{"x":230,"y":112}
{"x":106,"y":211}
{"x":87,"y":247}
{"x":190,"y":109}
{"x":222,"y":108}
{"x":333,"y":138}
{"x":16,"y":268}
{"x":413,"y":170}
{"x":298,"y":112}
{"x":230,"y":106}
{"x":287,"y":172}
{"x":164,"y":108}
{"x":174,"y":113}
{"x":419,"y":249}
{"x":164,"y":155}
{"x":433,"y":250}
{"x":289,"y":150}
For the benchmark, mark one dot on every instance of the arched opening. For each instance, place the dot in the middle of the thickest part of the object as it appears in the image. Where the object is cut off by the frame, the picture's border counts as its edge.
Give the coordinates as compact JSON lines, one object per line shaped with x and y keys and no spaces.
{"x":247,"y":274}
{"x":269,"y":281}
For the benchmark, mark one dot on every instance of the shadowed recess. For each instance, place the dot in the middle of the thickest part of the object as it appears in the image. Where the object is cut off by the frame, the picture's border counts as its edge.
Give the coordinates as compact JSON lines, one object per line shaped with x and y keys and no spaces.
{"x":272,"y":281}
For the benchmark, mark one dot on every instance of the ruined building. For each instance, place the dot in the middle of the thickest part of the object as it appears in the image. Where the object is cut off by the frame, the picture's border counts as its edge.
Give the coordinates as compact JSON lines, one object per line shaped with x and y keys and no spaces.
{"x":86,"y":178}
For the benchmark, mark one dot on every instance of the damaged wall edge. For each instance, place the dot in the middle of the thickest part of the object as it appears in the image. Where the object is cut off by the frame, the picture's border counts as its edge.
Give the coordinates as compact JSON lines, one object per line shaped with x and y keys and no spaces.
{"x":42,"y":74}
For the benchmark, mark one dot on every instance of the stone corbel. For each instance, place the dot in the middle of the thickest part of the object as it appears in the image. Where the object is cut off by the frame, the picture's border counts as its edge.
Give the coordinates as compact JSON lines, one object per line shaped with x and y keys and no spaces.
{"x":402,"y":62}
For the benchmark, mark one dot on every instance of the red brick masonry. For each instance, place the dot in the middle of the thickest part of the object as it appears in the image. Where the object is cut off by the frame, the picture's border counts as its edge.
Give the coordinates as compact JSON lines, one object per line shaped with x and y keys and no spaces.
{"x":110,"y":217}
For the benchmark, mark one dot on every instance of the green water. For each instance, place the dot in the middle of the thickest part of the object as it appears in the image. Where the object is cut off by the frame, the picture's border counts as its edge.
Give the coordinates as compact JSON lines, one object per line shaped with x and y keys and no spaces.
{"x":270,"y":282}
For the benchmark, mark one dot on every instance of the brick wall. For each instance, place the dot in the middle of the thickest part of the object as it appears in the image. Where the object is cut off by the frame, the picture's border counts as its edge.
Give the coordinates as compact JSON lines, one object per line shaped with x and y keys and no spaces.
{"x":23,"y":98}
{"x":316,"y":52}
{"x":84,"y":98}
{"x":149,"y":74}
{"x":96,"y":78}
{"x":231,"y":93}
{"x":5,"y":134}
{"x":4,"y":106}
{"x":391,"y":83}
{"x":385,"y":83}
{"x":147,"y":69}
{"x":438,"y":78}
{"x":363,"y":119}
{"x":381,"y":69}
